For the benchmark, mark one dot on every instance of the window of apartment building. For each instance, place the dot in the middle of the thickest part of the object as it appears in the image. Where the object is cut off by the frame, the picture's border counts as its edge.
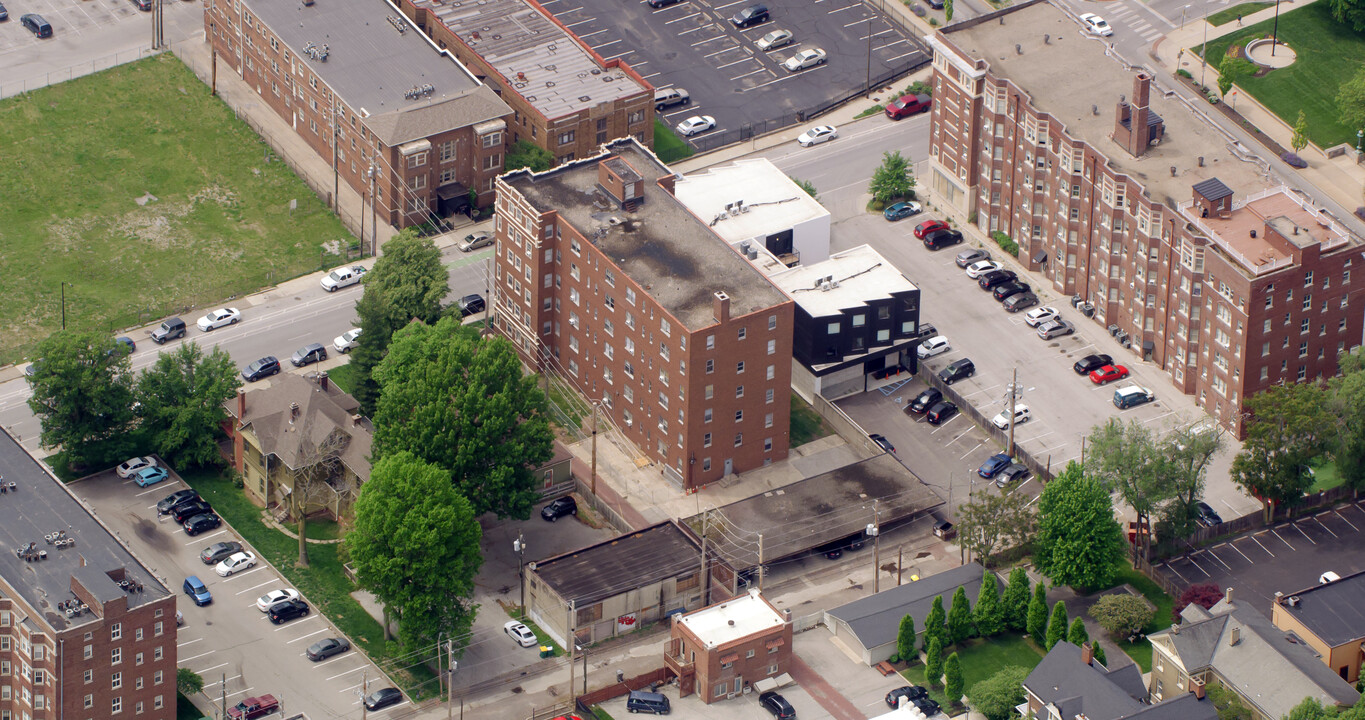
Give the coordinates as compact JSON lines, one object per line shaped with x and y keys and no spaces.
{"x":573,"y":295}
{"x":447,"y":150}
{"x":447,"y":176}
{"x":157,"y":653}
{"x":739,"y":439}
{"x":706,"y":415}
{"x":739,"y":368}
{"x":116,"y":631}
{"x":637,"y":116}
{"x":739,"y":391}
{"x":606,"y":375}
{"x":630,"y":370}
{"x":1303,"y":350}
{"x":566,"y":137}
{"x":610,"y":302}
{"x":89,"y":676}
{"x":706,"y":440}
{"x":156,"y":629}
{"x":630,"y":297}
{"x":663,"y":402}
{"x":743,"y":333}
{"x":709,"y":391}
{"x":4,"y":644}
{"x":1303,"y":373}
{"x":157,"y":702}
{"x":116,"y":705}
{"x":628,"y":392}
{"x":710,"y":366}
{"x":417,"y":160}
{"x":492,"y":162}
{"x":89,"y":701}
{"x":768,"y":395}
{"x":418,"y":182}
{"x":630,"y":346}
{"x":491,"y":140}
{"x":116,"y":656}
{"x":116,"y":680}
{"x":137,"y":659}
{"x":1305,"y":325}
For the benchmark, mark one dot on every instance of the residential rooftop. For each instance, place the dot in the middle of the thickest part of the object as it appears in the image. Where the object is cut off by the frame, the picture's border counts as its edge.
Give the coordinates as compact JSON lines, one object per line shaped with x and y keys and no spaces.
{"x":876,"y":619}
{"x":1065,"y":681}
{"x":39,"y":506}
{"x":327,"y":421}
{"x":860,"y":275}
{"x":383,"y":66}
{"x":662,"y":246}
{"x":747,"y":199}
{"x":638,"y":559}
{"x":736,"y":618}
{"x":1070,"y":76}
{"x":1334,"y":611}
{"x":537,"y":56}
{"x":1242,"y":236}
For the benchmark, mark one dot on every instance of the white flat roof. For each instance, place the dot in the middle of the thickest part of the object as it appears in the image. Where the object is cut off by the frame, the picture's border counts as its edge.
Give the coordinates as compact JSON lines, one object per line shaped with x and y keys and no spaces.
{"x":733,"y":619}
{"x":860,"y":274}
{"x":772,"y":202}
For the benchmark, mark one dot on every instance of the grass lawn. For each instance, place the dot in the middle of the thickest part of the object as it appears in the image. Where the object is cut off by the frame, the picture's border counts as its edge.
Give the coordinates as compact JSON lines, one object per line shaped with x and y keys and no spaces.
{"x":1227,"y":15}
{"x":80,"y":154}
{"x":667,"y":145}
{"x":323,"y":582}
{"x":806,"y":424}
{"x":1328,"y":53}
{"x":1325,"y":477}
{"x":981,"y":659}
{"x":344,"y":377}
{"x":1141,"y":651}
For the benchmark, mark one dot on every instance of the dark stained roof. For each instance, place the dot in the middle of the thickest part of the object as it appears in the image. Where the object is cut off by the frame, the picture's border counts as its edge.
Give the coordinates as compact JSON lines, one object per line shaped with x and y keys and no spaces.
{"x":875,"y":620}
{"x":1335,"y":612}
{"x":594,"y":573}
{"x":1076,"y":688}
{"x":326,"y":419}
{"x":1212,"y":189}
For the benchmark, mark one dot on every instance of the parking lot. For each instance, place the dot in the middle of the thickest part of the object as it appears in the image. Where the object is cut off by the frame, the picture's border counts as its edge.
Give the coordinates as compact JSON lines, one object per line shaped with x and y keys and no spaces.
{"x":229,"y":642}
{"x":1283,"y":558}
{"x":693,"y":45}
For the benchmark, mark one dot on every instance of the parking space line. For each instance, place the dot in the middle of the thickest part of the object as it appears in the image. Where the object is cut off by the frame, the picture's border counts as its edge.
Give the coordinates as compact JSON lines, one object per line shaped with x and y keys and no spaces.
{"x":185,"y":660}
{"x":149,"y":492}
{"x":1281,"y":537}
{"x":240,"y":574}
{"x":595,"y":32}
{"x":722,"y":7}
{"x":1177,"y":574}
{"x":890,"y":44}
{"x":1239,"y":552}
{"x":311,"y":634}
{"x":613,"y":42}
{"x":1324,"y":527}
{"x":737,"y":77}
{"x":198,"y":538}
{"x":657,"y":74}
{"x":724,"y":50}
{"x":304,"y":620}
{"x":619,"y":55}
{"x":1301,"y":532}
{"x":217,"y":682}
{"x":580,"y":22}
{"x":969,"y":452}
{"x":1214,"y":555}
{"x":253,"y":587}
{"x":699,"y":27}
{"x":1158,"y":417}
{"x":566,"y":12}
{"x":1348,"y":522}
{"x":846,"y":7}
{"x":348,"y":672}
{"x":1198,"y":567}
{"x":964,"y":432}
{"x":944,"y":425}
{"x":247,"y":690}
{"x":187,"y":642}
{"x":685,"y":17}
{"x":1263,"y":547}
{"x":726,"y":65}
{"x":903,"y":55}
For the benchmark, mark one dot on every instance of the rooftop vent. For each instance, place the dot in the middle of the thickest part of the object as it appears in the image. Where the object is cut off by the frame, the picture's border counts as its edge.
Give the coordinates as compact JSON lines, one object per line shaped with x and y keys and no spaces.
{"x":398,"y":24}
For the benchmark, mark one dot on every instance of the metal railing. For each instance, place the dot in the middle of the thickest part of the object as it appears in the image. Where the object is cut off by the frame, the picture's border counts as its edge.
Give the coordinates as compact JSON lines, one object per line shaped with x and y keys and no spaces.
{"x":89,"y":67}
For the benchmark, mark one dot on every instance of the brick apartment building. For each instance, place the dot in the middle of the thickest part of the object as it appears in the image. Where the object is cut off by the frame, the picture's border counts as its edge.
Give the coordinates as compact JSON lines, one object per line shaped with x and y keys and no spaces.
{"x":402,"y":122}
{"x":64,"y":578}
{"x":565,"y":97}
{"x":604,"y":277}
{"x":720,"y":650}
{"x":1157,"y":224}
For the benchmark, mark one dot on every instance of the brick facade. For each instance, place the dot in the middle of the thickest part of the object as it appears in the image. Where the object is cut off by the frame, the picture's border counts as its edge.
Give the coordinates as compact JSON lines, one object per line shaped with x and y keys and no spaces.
{"x":719,"y":666}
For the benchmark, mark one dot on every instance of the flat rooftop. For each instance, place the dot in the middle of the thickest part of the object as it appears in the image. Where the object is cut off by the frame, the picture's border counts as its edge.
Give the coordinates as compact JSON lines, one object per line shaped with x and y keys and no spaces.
{"x":39,"y":506}
{"x":736,"y":618}
{"x":1302,"y":225}
{"x":380,"y":63}
{"x":662,"y":246}
{"x":770,"y":200}
{"x":1069,"y":76}
{"x":1334,"y":611}
{"x":539,"y":58}
{"x":609,"y":568}
{"x":860,"y":275}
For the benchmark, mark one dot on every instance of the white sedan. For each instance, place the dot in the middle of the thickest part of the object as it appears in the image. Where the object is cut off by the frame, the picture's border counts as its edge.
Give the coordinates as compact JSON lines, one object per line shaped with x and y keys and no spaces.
{"x":936,"y":345}
{"x":1038,"y":316}
{"x":235,"y":563}
{"x":977,"y":269}
{"x":696,"y":124}
{"x":131,"y":467}
{"x":218,"y":318}
{"x":274,"y":596}
{"x":805,"y":59}
{"x":347,"y":341}
{"x":520,"y":633}
{"x":817,"y":135}
{"x":1096,"y":25}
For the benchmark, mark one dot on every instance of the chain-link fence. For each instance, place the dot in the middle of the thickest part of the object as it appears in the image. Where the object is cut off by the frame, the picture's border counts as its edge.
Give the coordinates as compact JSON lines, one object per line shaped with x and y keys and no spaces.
{"x":52,"y":77}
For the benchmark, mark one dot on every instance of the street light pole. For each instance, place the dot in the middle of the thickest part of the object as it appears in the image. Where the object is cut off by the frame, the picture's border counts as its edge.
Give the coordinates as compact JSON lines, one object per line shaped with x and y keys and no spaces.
{"x":520,"y":547}
{"x":1182,"y":16}
{"x":1275,"y":33}
{"x":1203,"y":48}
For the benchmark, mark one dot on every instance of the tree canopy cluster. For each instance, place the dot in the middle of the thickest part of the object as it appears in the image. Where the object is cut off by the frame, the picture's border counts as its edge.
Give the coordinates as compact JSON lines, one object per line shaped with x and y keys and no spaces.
{"x":1079,"y":541}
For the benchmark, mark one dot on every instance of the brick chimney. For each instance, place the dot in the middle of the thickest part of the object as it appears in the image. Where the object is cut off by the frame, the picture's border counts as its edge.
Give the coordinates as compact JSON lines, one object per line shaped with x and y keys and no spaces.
{"x":241,"y":404}
{"x":322,"y":381}
{"x":1139,"y":134}
{"x":1227,"y":596}
{"x":1087,"y":654}
{"x":721,"y":307}
{"x":1197,"y":687}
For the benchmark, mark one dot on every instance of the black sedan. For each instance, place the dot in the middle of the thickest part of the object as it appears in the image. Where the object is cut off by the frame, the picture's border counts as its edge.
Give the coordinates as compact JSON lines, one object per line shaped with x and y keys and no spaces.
{"x":1012,"y":474}
{"x":263,"y":368}
{"x":175,"y":498}
{"x":924,"y":401}
{"x":1013,"y":287}
{"x":995,"y":277}
{"x":323,"y":649}
{"x":383,"y":698}
{"x":559,"y":508}
{"x":1208,"y":517}
{"x":218,"y":552}
{"x":1090,"y":363}
{"x":910,"y":692}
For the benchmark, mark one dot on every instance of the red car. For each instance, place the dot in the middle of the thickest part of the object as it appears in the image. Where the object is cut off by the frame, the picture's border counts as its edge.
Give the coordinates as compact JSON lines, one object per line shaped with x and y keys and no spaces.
{"x":1108,"y":374}
{"x":254,"y":707}
{"x":908,"y":105}
{"x":929,"y":226}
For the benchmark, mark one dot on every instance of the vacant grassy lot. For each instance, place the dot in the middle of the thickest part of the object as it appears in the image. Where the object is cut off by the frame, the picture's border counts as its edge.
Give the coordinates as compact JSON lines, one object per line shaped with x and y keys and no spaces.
{"x":667,"y":145}
{"x":79,"y":156}
{"x":1329,"y":53}
{"x":981,"y":659}
{"x":806,"y":424}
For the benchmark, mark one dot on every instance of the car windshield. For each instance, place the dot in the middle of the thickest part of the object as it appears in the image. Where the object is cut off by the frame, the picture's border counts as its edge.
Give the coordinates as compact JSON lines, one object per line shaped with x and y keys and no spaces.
{"x":336,"y":275}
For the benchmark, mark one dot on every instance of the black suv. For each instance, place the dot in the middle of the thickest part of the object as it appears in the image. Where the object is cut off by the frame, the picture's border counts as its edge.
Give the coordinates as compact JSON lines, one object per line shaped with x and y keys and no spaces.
{"x":909,"y":692}
{"x":168,"y":330}
{"x":287,"y":610}
{"x":36,"y":24}
{"x":939,"y":239}
{"x":752,"y":15}
{"x":958,"y":370}
{"x":170,"y":501}
{"x":941,"y":413}
{"x":924,"y":401}
{"x":309,"y":354}
{"x":995,"y":277}
{"x":471,"y":305}
{"x":185,"y":511}
{"x":263,"y":368}
{"x":1013,"y":287}
{"x":1208,"y":517}
{"x":1090,"y":363}
{"x":559,"y":508}
{"x":777,"y":705}
{"x":202,"y":523}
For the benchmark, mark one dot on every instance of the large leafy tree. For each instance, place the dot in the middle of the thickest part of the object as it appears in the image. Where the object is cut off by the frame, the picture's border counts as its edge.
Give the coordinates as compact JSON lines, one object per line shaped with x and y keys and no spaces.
{"x":408,"y":283}
{"x":1186,"y":454}
{"x":993,"y":521}
{"x":1347,"y":405}
{"x":1016,"y":600}
{"x":1288,"y":427}
{"x":182,"y":399}
{"x":462,"y":403}
{"x":1349,"y":12}
{"x":960,"y":626}
{"x":525,"y":154}
{"x":83,"y":396}
{"x":1351,"y":94}
{"x":1078,"y":539}
{"x":415,"y":545}
{"x":987,"y":613}
{"x":1128,"y":459}
{"x":997,"y":696}
{"x":892,"y":179}
{"x":1121,"y":614}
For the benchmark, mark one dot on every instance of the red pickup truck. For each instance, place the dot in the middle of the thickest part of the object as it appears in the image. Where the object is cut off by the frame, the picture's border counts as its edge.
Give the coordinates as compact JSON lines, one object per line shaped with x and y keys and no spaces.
{"x":254,"y":707}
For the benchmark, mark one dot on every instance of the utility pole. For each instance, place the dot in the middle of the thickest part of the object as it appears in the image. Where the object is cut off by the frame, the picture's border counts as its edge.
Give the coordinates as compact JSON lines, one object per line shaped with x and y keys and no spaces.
{"x":223,"y":688}
{"x":594,"y":455}
{"x":488,"y":291}
{"x":450,"y":686}
{"x":761,"y":573}
{"x":520,"y":547}
{"x":1203,"y":64}
{"x":365,"y":685}
{"x":875,"y":529}
{"x":572,"y":640}
{"x":1014,"y":404}
{"x":899,"y":552}
{"x":701,"y":572}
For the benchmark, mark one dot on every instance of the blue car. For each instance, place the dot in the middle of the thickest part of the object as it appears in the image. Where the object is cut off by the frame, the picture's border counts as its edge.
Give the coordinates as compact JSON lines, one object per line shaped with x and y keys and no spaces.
{"x":993,"y":465}
{"x":150,"y":476}
{"x":197,"y":590}
{"x":901,"y":210}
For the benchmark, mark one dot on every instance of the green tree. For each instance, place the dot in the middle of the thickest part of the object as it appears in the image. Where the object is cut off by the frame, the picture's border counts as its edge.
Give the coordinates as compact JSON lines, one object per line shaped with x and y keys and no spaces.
{"x":1232,"y":69}
{"x":525,"y":154}
{"x":1077,"y":635}
{"x":1122,"y":614}
{"x":1288,"y":427}
{"x":1016,"y":600}
{"x":1037,"y":615}
{"x":462,"y":403}
{"x":960,"y":619}
{"x":1079,"y":541}
{"x":934,"y":627}
{"x":987,"y":614}
{"x":1128,"y":459}
{"x":1349,"y":12}
{"x":892,"y":180}
{"x":947,"y":10}
{"x":997,"y":696}
{"x":181,"y":404}
{"x":1099,"y":655}
{"x":905,"y":639}
{"x":1228,"y":704}
{"x":188,"y":682}
{"x":1351,"y":99}
{"x":933,"y":662}
{"x":1299,"y":141}
{"x":1311,"y":709}
{"x":1056,"y":625}
{"x":952,"y":679}
{"x":1188,"y":450}
{"x":1346,"y":402}
{"x":806,"y":185}
{"x":415,"y":545}
{"x":992,"y":521}
{"x":408,"y":283}
{"x":83,"y":396}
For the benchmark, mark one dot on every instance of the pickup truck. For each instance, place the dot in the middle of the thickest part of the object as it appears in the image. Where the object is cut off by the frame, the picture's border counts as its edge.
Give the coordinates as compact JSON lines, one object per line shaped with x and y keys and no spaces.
{"x":254,"y":707}
{"x":342,"y":277}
